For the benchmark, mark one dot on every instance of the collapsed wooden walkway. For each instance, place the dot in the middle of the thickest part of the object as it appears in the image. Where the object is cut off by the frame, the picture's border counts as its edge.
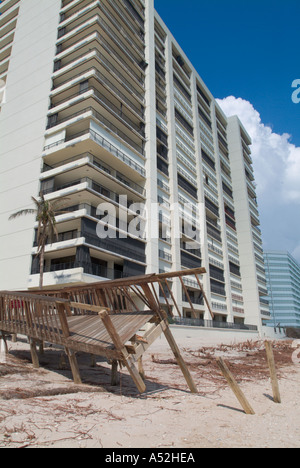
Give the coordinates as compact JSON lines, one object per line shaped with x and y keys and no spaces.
{"x":118,"y":320}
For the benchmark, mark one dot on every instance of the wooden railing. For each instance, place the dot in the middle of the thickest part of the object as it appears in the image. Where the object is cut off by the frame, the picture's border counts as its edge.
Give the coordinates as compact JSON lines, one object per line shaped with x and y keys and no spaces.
{"x":133,"y":294}
{"x":41,"y":318}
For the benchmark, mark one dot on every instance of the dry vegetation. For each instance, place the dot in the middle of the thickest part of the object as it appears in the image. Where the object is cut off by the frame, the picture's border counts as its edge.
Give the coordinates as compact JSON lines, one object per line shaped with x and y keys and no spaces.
{"x":44,"y":408}
{"x":247,"y":362}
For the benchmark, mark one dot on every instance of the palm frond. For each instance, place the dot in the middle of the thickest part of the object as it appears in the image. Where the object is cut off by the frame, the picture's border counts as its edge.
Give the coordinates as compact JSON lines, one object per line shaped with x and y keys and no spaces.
{"x":22,"y":213}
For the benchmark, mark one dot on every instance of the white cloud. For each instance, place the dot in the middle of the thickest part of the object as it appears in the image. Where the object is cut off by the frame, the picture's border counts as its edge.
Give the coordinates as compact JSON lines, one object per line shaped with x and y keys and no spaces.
{"x":277,"y":172}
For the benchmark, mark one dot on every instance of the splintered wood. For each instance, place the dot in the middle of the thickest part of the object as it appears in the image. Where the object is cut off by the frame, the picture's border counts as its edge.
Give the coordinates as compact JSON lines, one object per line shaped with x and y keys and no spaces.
{"x":117,"y":319}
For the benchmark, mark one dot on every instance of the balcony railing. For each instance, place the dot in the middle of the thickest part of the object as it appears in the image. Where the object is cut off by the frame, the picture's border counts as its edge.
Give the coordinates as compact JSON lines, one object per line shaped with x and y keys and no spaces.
{"x":198,"y":300}
{"x":108,"y":65}
{"x":100,"y":189}
{"x":103,"y":80}
{"x":107,"y":146}
{"x":105,"y":102}
{"x":62,"y":237}
{"x":121,"y":45}
{"x":114,"y":246}
{"x":212,"y":324}
{"x":103,"y":167}
{"x":90,"y":268}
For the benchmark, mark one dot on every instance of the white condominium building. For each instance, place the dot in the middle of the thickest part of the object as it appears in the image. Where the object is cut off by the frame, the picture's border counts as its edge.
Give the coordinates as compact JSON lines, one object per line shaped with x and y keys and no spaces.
{"x":102,"y":108}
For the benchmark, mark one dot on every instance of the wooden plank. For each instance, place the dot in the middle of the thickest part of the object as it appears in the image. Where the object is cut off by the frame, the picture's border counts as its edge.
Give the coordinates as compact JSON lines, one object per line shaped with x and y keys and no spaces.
{"x":114,"y":373}
{"x":188,"y":297}
{"x":74,"y":366}
{"x":173,"y":299}
{"x":141,"y":368}
{"x":178,"y":274}
{"x":92,"y":308}
{"x":205,"y":297}
{"x":151,"y":336}
{"x":234,"y":386}
{"x":3,"y":348}
{"x":127,"y":359}
{"x":63,"y":320}
{"x":34,"y":354}
{"x":180,"y":360}
{"x":272,"y":367}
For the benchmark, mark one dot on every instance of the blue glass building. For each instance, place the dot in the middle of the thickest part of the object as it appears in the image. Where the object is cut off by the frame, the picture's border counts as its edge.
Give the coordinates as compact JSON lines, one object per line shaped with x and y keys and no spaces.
{"x":283,"y":283}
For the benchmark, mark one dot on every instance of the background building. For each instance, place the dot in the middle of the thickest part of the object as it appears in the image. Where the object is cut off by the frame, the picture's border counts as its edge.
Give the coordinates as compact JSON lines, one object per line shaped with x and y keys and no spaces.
{"x":283,"y":282}
{"x":101,"y":101}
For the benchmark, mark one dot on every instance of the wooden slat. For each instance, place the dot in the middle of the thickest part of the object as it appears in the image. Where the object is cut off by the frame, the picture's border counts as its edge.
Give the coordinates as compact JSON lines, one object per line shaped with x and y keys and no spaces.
{"x":69,"y":317}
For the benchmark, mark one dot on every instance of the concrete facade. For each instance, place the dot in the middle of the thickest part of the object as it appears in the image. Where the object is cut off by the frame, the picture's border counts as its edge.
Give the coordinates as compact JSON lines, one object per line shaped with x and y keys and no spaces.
{"x":102,"y":102}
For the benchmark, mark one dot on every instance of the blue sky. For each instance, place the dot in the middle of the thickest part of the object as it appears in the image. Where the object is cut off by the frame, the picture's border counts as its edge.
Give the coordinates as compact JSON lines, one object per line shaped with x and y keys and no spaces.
{"x":247,"y":53}
{"x":249,"y":49}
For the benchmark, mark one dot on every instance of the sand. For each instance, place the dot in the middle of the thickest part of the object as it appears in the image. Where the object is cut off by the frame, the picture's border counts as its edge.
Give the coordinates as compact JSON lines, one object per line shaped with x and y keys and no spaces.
{"x":43,"y":409}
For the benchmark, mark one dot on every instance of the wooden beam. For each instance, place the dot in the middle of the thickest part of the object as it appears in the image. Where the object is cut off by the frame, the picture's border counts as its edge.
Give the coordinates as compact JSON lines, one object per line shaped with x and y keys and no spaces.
{"x":3,"y":348}
{"x":173,"y":345}
{"x":178,"y":274}
{"x":234,"y":386}
{"x":141,"y":368}
{"x":78,"y":305}
{"x":272,"y":367}
{"x":74,"y":366}
{"x":63,"y":319}
{"x":172,"y":297}
{"x":150,"y":336}
{"x":188,"y":297}
{"x":128,"y":360}
{"x":180,"y":360}
{"x":34,"y":354}
{"x":114,"y":373}
{"x":205,"y":297}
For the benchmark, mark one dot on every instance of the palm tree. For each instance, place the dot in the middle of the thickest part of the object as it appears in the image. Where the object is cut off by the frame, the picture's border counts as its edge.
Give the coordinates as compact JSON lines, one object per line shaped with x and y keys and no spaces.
{"x":45,"y":214}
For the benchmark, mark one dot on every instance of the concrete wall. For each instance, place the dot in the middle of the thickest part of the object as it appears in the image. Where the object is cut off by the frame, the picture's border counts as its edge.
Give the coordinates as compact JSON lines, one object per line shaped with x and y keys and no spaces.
{"x":22,"y":124}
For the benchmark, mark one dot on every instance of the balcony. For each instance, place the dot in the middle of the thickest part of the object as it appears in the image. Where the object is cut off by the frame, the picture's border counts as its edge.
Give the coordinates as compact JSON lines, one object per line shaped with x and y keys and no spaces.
{"x":99,"y":81}
{"x":194,"y":300}
{"x":75,"y":186}
{"x":190,"y":261}
{"x":88,"y":159}
{"x":211,"y":207}
{"x":114,"y":16}
{"x":119,"y":114}
{"x":103,"y":142}
{"x":89,"y":268}
{"x":119,"y":11}
{"x":105,"y":64}
{"x":184,"y":246}
{"x":127,"y":50}
{"x":120,"y":247}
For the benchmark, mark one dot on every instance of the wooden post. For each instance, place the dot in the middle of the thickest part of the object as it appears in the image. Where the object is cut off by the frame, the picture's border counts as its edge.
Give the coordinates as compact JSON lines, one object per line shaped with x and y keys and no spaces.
{"x":114,"y":373}
{"x":74,"y":366}
{"x":34,"y":354}
{"x":3,"y":348}
{"x":141,"y":368}
{"x":170,"y":339}
{"x":93,"y":360}
{"x":63,"y":319}
{"x":180,"y":360}
{"x":127,"y":359}
{"x":234,"y":387}
{"x":272,"y":367}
